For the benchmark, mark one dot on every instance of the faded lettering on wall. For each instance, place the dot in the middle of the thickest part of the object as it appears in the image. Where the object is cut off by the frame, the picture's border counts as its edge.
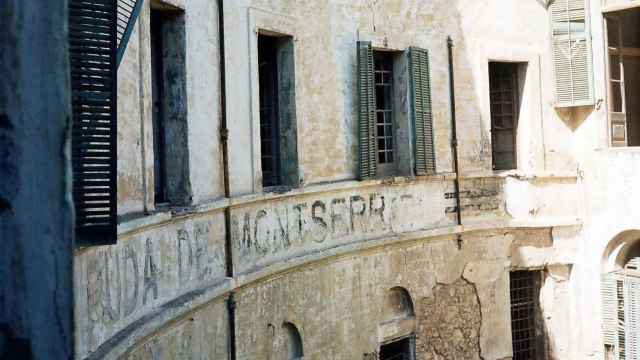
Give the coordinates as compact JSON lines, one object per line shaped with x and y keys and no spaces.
{"x":282,"y":227}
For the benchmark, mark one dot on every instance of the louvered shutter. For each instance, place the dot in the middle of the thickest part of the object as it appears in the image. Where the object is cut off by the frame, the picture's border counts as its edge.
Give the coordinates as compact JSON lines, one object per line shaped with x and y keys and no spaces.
{"x":422,"y":113}
{"x":632,"y":316}
{"x":572,"y":53}
{"x":366,"y":112}
{"x":128,"y":11}
{"x":92,"y":56}
{"x":609,"y":310}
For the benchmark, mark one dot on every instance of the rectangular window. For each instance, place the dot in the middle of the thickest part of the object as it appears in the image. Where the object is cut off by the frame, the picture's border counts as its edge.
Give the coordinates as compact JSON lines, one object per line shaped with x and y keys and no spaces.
{"x":383,"y":65}
{"x":526,"y":326}
{"x":395,"y":119}
{"x":403,"y":349}
{"x":169,"y":104}
{"x":278,"y":135}
{"x":505,"y":99}
{"x":157,"y":98}
{"x":623,"y":44}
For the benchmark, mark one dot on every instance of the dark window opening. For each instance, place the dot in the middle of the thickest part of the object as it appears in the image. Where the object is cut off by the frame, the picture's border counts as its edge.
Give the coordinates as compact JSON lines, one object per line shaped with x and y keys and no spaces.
{"x":403,"y":349}
{"x":624,"y":77}
{"x":169,"y":106}
{"x":269,"y":131}
{"x":525,"y":318}
{"x":504,"y":97}
{"x":278,"y":136}
{"x":383,"y":70}
{"x":157,"y":98}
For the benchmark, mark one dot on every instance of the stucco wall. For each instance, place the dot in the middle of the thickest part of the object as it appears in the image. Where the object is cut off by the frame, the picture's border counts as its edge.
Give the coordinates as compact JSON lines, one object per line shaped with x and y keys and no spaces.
{"x":323,"y":255}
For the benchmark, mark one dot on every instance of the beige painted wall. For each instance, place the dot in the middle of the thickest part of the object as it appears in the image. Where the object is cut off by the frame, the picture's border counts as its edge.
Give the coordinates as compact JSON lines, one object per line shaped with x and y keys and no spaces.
{"x":323,"y":256}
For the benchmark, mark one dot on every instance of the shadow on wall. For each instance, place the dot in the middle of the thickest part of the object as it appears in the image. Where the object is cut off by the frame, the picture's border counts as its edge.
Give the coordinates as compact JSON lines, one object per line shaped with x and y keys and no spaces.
{"x":573,"y":117}
{"x":622,"y":248}
{"x":286,"y":342}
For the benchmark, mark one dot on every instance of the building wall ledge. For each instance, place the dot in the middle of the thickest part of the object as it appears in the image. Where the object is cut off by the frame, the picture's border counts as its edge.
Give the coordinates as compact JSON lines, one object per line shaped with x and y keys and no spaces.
{"x":135,"y":224}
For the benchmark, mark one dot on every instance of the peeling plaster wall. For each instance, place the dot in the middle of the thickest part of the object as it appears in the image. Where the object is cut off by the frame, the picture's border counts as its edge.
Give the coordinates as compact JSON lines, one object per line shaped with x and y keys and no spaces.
{"x":339,"y":306}
{"x":118,"y":285}
{"x":321,"y":256}
{"x":201,"y":335}
{"x":135,"y":129}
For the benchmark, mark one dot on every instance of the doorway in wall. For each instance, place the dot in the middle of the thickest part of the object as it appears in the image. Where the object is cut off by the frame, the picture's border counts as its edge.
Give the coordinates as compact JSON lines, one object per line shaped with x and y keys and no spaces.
{"x":623,"y":45}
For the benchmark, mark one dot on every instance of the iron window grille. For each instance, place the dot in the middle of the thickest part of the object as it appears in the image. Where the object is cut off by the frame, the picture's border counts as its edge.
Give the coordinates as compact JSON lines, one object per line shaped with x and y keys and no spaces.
{"x":524,"y":290}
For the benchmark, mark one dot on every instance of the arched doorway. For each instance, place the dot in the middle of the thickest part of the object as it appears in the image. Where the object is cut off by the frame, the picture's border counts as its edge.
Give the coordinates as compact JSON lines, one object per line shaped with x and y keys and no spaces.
{"x":621,"y":297}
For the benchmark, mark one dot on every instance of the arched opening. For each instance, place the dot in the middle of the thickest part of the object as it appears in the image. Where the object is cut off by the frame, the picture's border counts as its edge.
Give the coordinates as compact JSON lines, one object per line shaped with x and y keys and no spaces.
{"x":398,"y":304}
{"x":293,"y":342}
{"x":398,"y":325}
{"x":620,"y":288}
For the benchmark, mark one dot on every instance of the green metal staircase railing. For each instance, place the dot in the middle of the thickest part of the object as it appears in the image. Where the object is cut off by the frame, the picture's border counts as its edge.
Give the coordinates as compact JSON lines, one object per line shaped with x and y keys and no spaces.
{"x":128,"y":12}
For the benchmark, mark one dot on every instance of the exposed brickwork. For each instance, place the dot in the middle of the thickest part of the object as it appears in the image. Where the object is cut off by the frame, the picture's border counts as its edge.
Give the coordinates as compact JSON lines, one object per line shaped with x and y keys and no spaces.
{"x":483,"y":194}
{"x":449,"y":323}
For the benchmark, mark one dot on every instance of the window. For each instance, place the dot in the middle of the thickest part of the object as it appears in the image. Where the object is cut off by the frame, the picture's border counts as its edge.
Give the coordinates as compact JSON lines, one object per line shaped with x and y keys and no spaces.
{"x":526,"y":324}
{"x":92,"y":57}
{"x":505,"y":99}
{"x":621,"y":311}
{"x":623,"y":47}
{"x":572,"y":53}
{"x":169,"y":115}
{"x":403,"y":349}
{"x":383,"y":65}
{"x":395,"y":125}
{"x":278,"y":135}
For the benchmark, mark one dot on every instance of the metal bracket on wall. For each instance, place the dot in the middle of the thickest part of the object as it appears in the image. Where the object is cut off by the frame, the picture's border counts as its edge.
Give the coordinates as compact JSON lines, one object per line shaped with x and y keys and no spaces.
{"x":128,"y":12}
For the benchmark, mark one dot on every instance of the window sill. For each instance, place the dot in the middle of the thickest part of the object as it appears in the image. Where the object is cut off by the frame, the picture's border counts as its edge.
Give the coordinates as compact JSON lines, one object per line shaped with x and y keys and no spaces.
{"x":521,"y":175}
{"x":621,"y":149}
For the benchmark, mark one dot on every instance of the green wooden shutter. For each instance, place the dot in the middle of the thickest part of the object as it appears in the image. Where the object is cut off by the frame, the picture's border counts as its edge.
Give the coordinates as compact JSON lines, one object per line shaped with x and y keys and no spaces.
{"x":572,"y":53}
{"x":92,"y":56}
{"x":420,"y":83}
{"x":366,"y":112}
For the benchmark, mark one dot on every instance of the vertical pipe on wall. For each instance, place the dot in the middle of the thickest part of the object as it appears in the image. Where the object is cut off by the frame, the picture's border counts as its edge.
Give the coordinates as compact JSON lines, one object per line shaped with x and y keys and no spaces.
{"x":454,"y":136}
{"x":224,"y":138}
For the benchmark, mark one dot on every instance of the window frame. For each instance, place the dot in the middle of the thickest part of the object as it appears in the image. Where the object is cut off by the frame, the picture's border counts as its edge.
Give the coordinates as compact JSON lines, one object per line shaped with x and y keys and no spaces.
{"x":287,"y":175}
{"x":516,"y":102}
{"x":411,"y":339}
{"x":156,"y":42}
{"x":386,"y":168}
{"x":537,"y":344}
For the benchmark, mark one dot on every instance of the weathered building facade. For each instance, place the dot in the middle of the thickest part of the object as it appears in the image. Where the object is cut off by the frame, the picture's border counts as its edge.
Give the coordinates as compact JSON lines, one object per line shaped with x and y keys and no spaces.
{"x":248,"y":231}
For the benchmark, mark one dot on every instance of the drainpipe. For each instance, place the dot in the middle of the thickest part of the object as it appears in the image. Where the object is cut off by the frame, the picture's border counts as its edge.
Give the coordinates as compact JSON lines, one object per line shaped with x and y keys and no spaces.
{"x":224,"y":139}
{"x":454,"y":139}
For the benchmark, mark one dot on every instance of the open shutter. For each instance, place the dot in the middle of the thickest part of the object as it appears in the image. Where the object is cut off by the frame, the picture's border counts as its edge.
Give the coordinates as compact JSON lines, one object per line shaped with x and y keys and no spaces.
{"x":366,"y":112}
{"x":92,"y":56}
{"x":572,"y":53}
{"x":422,"y":113}
{"x":616,"y":79}
{"x":128,"y":12}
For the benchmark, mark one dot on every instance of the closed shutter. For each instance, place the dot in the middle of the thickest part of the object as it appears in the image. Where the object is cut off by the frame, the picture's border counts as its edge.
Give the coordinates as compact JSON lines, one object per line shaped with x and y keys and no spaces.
{"x":92,"y":49}
{"x":422,"y":113}
{"x":609,"y":309}
{"x":128,"y":11}
{"x":366,"y":112}
{"x":632,"y":316}
{"x":572,"y":53}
